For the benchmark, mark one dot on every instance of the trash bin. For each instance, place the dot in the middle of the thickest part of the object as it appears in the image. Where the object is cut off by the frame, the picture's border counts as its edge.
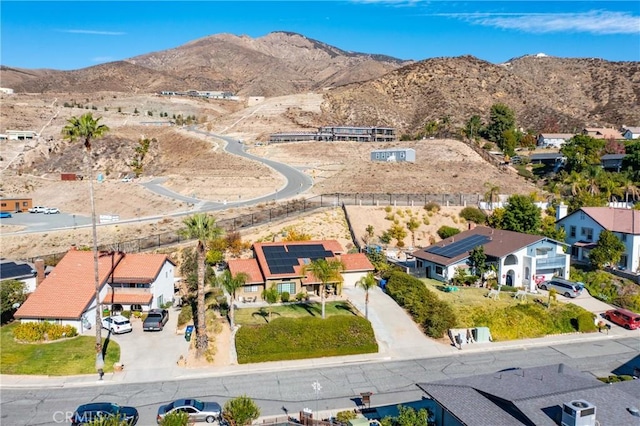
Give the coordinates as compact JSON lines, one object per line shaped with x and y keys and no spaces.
{"x":188,"y":332}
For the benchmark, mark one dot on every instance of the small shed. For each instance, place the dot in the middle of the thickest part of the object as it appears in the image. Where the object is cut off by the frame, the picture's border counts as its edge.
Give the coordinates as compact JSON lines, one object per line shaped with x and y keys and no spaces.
{"x":394,"y":155}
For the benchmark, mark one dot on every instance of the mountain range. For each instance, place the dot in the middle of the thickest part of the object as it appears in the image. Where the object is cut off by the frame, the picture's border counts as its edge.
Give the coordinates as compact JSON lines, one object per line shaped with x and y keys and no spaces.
{"x":546,"y":93}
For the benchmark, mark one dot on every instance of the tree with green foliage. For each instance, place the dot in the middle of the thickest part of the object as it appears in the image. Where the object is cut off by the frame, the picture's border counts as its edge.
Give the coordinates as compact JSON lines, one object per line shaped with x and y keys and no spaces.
{"x":328,"y":272}
{"x":549,"y":229}
{"x":608,"y":250}
{"x":521,"y":215}
{"x":509,"y":142}
{"x":13,"y":293}
{"x":473,"y":214}
{"x":492,"y":195}
{"x":407,"y":416}
{"x":397,"y":232}
{"x":231,"y":284}
{"x":270,"y":295}
{"x":477,"y":261}
{"x":189,"y":270}
{"x":367,"y":283}
{"x":412,"y":225}
{"x":175,"y":418}
{"x":501,"y":120}
{"x":473,"y":127}
{"x":240,"y":411}
{"x":203,"y":228}
{"x":86,"y":129}
{"x":582,"y":151}
{"x":631,"y":160}
{"x":445,"y":231}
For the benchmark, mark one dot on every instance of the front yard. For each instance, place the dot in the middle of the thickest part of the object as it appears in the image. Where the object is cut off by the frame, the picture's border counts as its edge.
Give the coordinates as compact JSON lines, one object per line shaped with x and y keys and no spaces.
{"x":59,"y":358}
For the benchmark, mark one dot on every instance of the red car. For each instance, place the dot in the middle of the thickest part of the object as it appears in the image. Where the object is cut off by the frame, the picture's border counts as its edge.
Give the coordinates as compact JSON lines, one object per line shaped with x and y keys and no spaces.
{"x":624,"y":318}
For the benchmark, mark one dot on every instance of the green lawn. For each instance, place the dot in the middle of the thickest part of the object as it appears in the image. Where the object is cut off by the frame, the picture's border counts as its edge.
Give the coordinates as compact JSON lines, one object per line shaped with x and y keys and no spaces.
{"x":257,"y":316}
{"x":67,"y":357}
{"x":472,"y":296}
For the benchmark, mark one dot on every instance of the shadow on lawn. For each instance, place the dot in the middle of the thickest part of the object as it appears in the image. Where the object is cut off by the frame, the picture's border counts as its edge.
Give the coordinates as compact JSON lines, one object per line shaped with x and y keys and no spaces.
{"x":264,"y":313}
{"x":347,"y":307}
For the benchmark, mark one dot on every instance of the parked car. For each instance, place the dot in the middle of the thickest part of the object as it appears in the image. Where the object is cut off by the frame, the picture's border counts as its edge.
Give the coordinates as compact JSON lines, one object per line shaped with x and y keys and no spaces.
{"x":87,"y":413}
{"x":562,"y":286}
{"x":624,"y":318}
{"x":127,"y":179}
{"x":51,"y":210}
{"x":155,"y":320}
{"x":5,"y":215}
{"x":117,"y":324}
{"x":37,"y":209}
{"x":197,"y":410}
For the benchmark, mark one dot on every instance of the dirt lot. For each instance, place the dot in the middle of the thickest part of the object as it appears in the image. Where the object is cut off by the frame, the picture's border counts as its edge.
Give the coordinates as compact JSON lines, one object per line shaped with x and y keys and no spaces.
{"x":194,"y":165}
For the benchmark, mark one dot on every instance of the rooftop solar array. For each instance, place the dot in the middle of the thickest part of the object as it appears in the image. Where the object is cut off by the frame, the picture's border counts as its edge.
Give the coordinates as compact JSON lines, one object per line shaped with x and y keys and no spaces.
{"x":281,"y":260}
{"x":458,"y":247}
{"x":12,"y":269}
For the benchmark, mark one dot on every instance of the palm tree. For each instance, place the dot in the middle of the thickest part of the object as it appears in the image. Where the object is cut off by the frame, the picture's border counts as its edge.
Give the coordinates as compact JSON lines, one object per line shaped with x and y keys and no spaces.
{"x":203,"y":228}
{"x":493,"y":193}
{"x":367,"y":283}
{"x":270,"y":295}
{"x":231,"y":284}
{"x":327,"y":271}
{"x":86,"y":128}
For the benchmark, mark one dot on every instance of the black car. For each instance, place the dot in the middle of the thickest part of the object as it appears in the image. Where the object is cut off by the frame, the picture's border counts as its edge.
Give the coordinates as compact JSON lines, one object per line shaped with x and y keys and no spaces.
{"x":86,"y":413}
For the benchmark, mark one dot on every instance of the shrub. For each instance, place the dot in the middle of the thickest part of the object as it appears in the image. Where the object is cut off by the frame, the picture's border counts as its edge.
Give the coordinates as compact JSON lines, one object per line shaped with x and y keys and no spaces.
{"x":447,"y":231}
{"x":345,"y":416}
{"x":432,"y":207}
{"x":42,"y":331}
{"x":473,"y":214}
{"x":585,"y":322}
{"x":284,"y":296}
{"x":175,"y":418}
{"x":302,"y":297}
{"x":185,"y":316}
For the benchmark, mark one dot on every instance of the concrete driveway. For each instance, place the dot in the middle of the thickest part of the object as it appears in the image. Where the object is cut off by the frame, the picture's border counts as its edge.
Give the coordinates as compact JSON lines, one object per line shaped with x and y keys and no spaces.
{"x":142,"y":352}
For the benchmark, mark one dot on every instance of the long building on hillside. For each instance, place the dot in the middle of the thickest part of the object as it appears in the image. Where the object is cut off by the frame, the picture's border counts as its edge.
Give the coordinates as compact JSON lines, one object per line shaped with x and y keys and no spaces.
{"x":338,"y":133}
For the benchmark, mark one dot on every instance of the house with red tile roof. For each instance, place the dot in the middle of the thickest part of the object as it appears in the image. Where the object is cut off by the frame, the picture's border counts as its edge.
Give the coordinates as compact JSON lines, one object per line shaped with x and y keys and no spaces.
{"x":127,"y":282}
{"x":281,"y":264}
{"x":583,"y":228}
{"x":521,"y":260}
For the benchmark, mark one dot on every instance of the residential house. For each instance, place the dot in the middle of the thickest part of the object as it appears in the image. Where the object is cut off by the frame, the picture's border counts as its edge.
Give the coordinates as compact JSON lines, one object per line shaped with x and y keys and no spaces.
{"x":630,"y":133}
{"x":547,"y":395}
{"x":281,"y":264}
{"x":583,"y":228}
{"x":394,"y":154}
{"x":555,"y":140}
{"x":21,"y":135}
{"x":30,"y":274}
{"x":127,"y":281}
{"x":612,"y":162}
{"x":602,"y":133}
{"x":521,"y":260}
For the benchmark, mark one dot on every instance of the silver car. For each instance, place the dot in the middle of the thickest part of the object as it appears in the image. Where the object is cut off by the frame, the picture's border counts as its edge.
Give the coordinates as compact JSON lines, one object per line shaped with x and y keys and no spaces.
{"x":197,"y":410}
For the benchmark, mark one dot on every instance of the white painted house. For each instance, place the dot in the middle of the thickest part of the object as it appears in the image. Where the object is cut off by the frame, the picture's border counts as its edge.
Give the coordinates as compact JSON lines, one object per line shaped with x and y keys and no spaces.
{"x":522,"y":260}
{"x":631,"y":133}
{"x":583,"y":228}
{"x":555,"y":140}
{"x":127,"y":281}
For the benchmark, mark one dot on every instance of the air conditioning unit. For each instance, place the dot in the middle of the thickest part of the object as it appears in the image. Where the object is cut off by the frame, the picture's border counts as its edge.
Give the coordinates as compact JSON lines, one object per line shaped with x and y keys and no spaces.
{"x":578,"y":413}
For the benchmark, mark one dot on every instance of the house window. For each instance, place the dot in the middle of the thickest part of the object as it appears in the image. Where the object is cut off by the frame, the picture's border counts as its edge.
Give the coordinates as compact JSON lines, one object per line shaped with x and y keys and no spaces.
{"x":251,"y":289}
{"x":439,"y":270}
{"x":289,"y":287}
{"x":136,"y":308}
{"x":623,"y":238}
{"x":572,"y":231}
{"x":588,"y":233}
{"x":160,"y":300}
{"x":623,"y":262}
{"x":582,"y":215}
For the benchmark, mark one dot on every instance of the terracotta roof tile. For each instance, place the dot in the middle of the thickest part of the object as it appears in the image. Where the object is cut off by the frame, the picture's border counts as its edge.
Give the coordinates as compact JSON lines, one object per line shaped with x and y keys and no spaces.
{"x":247,"y":266}
{"x":128,"y":298}
{"x":139,"y":268}
{"x":69,"y":289}
{"x":354,"y":262}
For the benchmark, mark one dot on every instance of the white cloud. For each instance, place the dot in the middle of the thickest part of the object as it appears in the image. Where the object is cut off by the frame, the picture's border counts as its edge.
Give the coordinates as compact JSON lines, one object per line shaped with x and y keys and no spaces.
{"x":594,"y":22}
{"x":94,"y":32}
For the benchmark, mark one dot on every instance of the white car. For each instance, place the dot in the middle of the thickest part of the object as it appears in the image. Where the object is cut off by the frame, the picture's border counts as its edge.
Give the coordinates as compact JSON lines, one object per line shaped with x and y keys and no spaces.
{"x":37,"y":209}
{"x":51,"y":210}
{"x":117,"y":324}
{"x":127,"y":179}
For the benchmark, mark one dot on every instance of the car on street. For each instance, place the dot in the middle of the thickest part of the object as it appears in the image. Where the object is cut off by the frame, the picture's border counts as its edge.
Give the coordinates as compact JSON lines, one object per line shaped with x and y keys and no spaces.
{"x":624,"y":318}
{"x":91,"y":412}
{"x":197,"y":410}
{"x":37,"y":209}
{"x":117,"y":324}
{"x":5,"y":215}
{"x":51,"y":210}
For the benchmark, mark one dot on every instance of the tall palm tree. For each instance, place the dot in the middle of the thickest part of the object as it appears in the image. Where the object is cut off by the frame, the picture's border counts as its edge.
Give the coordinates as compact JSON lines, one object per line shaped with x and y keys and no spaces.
{"x":327,"y":271}
{"x":367,"y":283}
{"x":493,"y":193}
{"x":231,"y":284}
{"x":86,"y":128}
{"x":203,"y":228}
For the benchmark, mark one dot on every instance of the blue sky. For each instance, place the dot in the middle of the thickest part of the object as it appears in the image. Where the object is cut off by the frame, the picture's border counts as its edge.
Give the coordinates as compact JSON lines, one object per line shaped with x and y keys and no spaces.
{"x":78,"y":34}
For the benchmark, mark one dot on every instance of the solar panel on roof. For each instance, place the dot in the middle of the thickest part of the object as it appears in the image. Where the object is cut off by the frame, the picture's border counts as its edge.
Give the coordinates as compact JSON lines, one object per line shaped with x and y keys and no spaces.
{"x":12,"y":269}
{"x":281,"y":261}
{"x":458,"y":247}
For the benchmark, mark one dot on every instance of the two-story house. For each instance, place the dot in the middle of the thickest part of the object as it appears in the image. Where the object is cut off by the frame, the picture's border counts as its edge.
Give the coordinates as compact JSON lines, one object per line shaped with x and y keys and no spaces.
{"x":583,"y":228}
{"x":521,"y":260}
{"x":281,"y":264}
{"x":126,"y":281}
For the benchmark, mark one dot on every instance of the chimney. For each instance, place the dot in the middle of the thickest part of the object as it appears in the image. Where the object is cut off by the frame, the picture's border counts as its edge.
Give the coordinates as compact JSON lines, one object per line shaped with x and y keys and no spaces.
{"x":39,"y":264}
{"x":561,"y":211}
{"x":472,"y":225}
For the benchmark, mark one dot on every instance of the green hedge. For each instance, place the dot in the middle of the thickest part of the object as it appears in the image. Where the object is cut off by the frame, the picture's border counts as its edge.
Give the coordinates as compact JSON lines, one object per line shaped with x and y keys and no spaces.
{"x":301,"y":338}
{"x":436,"y":316}
{"x":42,"y":331}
